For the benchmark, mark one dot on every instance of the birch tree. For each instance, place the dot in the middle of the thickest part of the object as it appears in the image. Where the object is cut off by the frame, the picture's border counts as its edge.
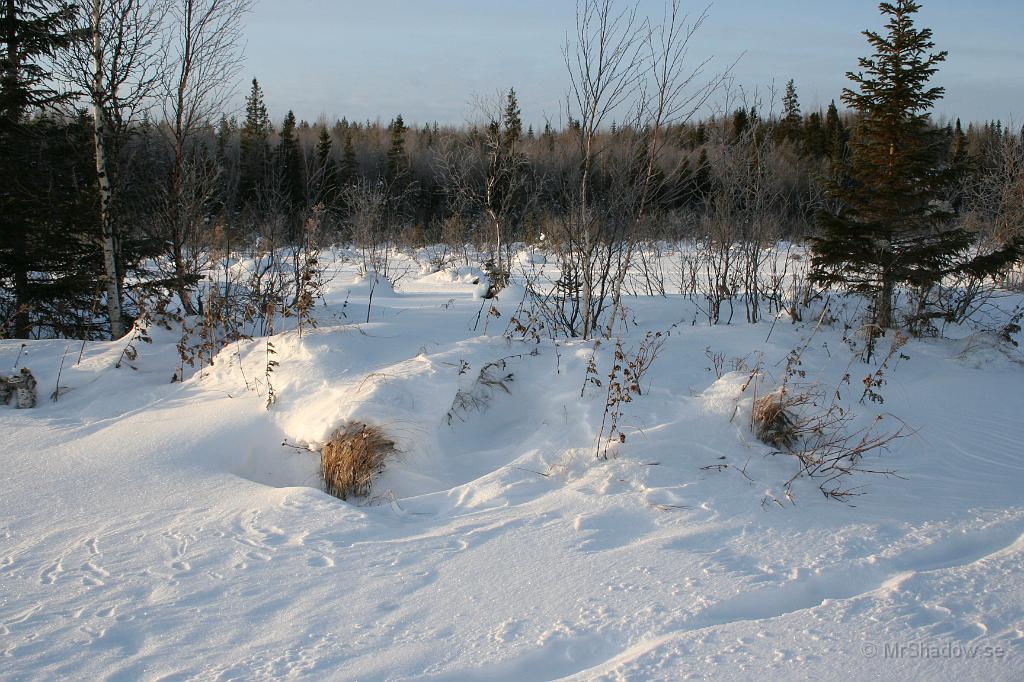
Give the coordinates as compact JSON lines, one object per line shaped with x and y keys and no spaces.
{"x":118,"y":67}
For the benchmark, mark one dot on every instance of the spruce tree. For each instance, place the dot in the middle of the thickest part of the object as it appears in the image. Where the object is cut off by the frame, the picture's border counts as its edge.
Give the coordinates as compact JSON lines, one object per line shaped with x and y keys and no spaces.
{"x":31,"y":33}
{"x":792,"y":119}
{"x":893,"y":226}
{"x":703,"y":180}
{"x":548,"y":137}
{"x":397,"y":162}
{"x":349,"y":171}
{"x":513,"y":122}
{"x":327,"y":169}
{"x":740,"y":122}
{"x":254,"y":144}
{"x":835,"y":132}
{"x":815,"y":136}
{"x":289,"y":161}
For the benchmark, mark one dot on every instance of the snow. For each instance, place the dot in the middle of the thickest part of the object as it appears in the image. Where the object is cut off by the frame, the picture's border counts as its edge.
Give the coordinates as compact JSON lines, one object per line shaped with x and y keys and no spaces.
{"x":151,"y":530}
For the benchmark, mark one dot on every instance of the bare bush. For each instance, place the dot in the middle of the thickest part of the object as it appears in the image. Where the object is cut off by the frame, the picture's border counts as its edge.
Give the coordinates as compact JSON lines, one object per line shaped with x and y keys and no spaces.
{"x":352,"y":458}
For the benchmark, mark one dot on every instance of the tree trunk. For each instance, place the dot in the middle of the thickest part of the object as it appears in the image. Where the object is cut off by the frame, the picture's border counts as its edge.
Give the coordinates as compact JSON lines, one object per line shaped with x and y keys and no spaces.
{"x":110,"y":279}
{"x":22,"y":320}
{"x":22,"y":299}
{"x":883,"y":314}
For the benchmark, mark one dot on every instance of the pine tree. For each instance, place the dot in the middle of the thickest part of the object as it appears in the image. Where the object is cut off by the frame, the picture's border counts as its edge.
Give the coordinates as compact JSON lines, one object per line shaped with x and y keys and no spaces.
{"x":254,"y":144}
{"x":893,"y":227}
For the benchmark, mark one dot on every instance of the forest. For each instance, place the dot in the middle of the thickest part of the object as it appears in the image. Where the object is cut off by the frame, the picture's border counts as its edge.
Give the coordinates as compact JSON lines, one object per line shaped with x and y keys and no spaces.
{"x":124,"y":174}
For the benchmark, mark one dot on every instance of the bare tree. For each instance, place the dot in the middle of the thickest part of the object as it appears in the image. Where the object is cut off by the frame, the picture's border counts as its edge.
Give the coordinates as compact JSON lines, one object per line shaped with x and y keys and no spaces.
{"x":604,"y":60}
{"x":488,"y":174}
{"x":205,"y":61}
{"x":672,"y":91}
{"x":619,"y":64}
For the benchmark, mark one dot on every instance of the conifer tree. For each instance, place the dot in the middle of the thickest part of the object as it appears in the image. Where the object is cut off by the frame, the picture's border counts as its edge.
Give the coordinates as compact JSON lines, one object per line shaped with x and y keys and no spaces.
{"x":740,"y":121}
{"x":893,"y":227}
{"x":548,"y":137}
{"x":31,"y":32}
{"x":254,"y":143}
{"x":835,"y":132}
{"x":349,"y":171}
{"x":703,"y":181}
{"x":227,"y":163}
{"x":327,"y":170}
{"x":289,"y":160}
{"x":792,"y":120}
{"x":815,"y":135}
{"x":513,"y":122}
{"x":397,"y":162}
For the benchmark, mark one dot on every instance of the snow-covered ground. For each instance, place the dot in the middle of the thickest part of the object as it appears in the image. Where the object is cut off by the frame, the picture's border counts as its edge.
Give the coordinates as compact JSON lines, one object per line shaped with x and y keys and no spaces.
{"x":151,"y":530}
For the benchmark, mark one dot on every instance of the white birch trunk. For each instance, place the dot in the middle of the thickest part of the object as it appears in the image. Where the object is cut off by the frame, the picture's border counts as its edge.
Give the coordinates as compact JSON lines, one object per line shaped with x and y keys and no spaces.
{"x":102,"y":173}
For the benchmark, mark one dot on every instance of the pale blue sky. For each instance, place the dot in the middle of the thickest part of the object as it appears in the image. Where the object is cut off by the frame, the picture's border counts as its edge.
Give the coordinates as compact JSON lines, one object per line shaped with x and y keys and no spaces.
{"x":426,"y":59}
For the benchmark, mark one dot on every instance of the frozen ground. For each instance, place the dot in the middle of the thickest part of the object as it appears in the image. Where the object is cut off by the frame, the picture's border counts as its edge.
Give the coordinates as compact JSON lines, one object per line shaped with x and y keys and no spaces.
{"x":151,"y":530}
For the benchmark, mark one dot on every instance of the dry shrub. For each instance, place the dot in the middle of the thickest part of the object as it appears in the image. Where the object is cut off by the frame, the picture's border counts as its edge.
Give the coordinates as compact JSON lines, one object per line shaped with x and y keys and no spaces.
{"x":773,"y":423}
{"x":351,"y":459}
{"x":800,"y":421}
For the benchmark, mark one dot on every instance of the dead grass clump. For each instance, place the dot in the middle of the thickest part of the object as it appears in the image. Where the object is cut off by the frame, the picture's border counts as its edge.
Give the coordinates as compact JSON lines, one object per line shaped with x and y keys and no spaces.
{"x":351,"y":459}
{"x":773,"y":423}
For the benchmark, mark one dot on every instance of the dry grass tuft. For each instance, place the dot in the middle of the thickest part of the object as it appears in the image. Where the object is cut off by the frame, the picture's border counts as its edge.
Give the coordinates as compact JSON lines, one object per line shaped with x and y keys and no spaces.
{"x":773,"y":423}
{"x":351,"y":459}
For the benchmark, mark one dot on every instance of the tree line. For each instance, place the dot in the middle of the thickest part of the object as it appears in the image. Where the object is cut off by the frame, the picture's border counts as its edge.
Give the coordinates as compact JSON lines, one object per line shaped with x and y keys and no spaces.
{"x":123,"y":172}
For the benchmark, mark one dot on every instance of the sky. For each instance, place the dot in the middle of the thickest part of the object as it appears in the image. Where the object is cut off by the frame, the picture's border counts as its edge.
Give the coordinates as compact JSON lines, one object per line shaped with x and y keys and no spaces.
{"x":429,"y":60}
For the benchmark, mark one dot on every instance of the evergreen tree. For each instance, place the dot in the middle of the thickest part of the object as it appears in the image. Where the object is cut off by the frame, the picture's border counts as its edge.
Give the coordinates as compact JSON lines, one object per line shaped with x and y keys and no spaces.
{"x":48,"y":225}
{"x":792,"y":119}
{"x":349,"y":171}
{"x":740,"y":121}
{"x":548,"y":137}
{"x":254,"y":144}
{"x":397,"y":162}
{"x":513,"y":122}
{"x":289,"y":162}
{"x":835,"y":133}
{"x":31,"y":33}
{"x":327,"y":171}
{"x":815,"y":136}
{"x":892,"y":226}
{"x":703,"y":180}
{"x":700,"y":135}
{"x":959,"y":145}
{"x":227,"y":163}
